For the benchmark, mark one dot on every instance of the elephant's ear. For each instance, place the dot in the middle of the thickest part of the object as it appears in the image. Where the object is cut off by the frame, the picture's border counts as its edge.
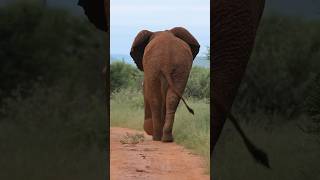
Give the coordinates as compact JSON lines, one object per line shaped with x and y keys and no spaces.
{"x":187,"y":37}
{"x":138,"y":45}
{"x":96,"y":12}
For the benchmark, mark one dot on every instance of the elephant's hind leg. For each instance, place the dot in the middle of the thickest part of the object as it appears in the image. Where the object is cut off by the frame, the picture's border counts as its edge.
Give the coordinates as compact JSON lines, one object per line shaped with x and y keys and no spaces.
{"x":172,"y":102}
{"x":147,"y":125}
{"x":156,"y":118}
{"x":153,"y":93}
{"x":164,"y":89}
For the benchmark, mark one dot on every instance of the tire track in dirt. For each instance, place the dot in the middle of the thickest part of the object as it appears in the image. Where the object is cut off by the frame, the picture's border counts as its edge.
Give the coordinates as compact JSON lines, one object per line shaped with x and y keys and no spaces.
{"x":152,"y":160}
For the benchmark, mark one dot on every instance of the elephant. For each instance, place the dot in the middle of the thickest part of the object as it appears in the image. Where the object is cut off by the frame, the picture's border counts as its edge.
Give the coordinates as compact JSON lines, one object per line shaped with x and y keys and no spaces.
{"x":166,"y":59}
{"x":233,"y":29}
{"x":171,"y":76}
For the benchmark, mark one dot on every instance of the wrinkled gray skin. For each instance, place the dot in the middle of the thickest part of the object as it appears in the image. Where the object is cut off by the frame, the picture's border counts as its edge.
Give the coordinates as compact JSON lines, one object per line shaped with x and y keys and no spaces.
{"x":233,"y":29}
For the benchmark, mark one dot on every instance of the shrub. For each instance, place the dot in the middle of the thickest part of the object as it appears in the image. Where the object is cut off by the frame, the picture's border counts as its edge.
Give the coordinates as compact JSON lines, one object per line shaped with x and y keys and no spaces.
{"x":283,"y":64}
{"x":198,"y":83}
{"x":124,"y":75}
{"x":46,"y":44}
{"x":52,"y":108}
{"x":312,"y":105}
{"x":50,"y":125}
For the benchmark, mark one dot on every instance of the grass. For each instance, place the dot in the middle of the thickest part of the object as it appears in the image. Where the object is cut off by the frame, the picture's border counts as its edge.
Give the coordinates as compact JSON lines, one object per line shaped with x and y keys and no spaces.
{"x":36,"y":162}
{"x":193,"y":132}
{"x":293,"y":154}
{"x":53,"y":135}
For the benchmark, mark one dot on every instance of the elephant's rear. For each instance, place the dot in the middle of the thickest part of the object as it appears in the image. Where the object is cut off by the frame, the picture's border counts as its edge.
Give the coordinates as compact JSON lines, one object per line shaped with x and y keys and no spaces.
{"x":166,"y":59}
{"x":167,"y":53}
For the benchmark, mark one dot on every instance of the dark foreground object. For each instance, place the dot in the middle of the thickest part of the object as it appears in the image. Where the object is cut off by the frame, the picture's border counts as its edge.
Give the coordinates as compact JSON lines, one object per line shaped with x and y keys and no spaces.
{"x":233,"y":34}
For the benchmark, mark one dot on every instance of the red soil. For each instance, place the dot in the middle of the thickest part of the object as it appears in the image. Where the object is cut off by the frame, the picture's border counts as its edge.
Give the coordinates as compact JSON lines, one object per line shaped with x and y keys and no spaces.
{"x":152,"y":160}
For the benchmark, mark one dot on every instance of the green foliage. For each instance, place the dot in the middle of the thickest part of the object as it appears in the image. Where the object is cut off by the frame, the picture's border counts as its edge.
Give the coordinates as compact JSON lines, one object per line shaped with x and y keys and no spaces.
{"x":280,"y":76}
{"x":284,"y":62}
{"x":124,"y":75}
{"x":52,"y":134}
{"x":313,"y":100}
{"x":127,"y":109}
{"x":312,"y":104}
{"x":52,"y":108}
{"x":293,"y":154}
{"x":132,"y":97}
{"x":198,"y":83}
{"x":45,"y":44}
{"x":64,"y":115}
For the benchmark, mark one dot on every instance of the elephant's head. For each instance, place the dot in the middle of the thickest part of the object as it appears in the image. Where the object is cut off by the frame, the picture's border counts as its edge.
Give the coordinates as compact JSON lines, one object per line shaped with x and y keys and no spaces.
{"x":145,"y":36}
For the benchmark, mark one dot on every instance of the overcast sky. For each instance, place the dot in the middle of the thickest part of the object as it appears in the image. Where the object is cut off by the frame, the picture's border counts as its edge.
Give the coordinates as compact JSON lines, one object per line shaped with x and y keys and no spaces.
{"x":128,"y":17}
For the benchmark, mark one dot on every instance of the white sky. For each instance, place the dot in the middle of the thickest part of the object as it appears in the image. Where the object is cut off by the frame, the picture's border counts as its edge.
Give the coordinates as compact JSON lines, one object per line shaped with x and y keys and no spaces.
{"x":128,"y":17}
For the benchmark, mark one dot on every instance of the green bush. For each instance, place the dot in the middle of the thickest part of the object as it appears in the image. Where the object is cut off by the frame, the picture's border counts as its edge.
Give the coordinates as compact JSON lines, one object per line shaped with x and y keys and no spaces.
{"x":198,"y":83}
{"x":51,"y":125}
{"x":283,"y":63}
{"x":312,"y":106}
{"x":74,"y":120}
{"x":280,"y":76}
{"x":46,"y":44}
{"x":124,"y":75}
{"x":132,"y":97}
{"x":52,"y":102}
{"x":313,"y":100}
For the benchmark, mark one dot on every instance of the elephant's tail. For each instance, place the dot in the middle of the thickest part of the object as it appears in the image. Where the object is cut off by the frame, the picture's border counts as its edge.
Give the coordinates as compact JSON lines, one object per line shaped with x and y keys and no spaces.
{"x":259,"y":155}
{"x":170,"y":83}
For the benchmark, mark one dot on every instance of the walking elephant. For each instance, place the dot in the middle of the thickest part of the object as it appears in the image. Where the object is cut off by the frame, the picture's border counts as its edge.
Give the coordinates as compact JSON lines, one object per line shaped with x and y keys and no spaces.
{"x":233,"y":29}
{"x":166,"y":58}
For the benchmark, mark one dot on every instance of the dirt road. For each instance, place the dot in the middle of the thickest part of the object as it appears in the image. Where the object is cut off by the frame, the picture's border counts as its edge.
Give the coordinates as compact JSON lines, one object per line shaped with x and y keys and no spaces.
{"x":151,"y":160}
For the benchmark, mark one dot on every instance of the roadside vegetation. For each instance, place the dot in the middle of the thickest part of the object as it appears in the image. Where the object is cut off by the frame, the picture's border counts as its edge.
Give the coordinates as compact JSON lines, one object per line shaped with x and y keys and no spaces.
{"x":52,"y":95}
{"x":278,"y":106}
{"x":127,"y":109}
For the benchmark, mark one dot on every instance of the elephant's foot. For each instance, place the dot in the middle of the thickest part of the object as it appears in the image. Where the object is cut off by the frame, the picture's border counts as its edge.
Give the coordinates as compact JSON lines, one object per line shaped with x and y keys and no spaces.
{"x":147,"y":126}
{"x":157,"y":135}
{"x":167,"y":138}
{"x":156,"y":138}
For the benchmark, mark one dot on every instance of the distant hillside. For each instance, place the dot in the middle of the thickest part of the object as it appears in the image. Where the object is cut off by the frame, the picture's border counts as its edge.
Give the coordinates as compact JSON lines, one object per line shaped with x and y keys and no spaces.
{"x":199,"y":61}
